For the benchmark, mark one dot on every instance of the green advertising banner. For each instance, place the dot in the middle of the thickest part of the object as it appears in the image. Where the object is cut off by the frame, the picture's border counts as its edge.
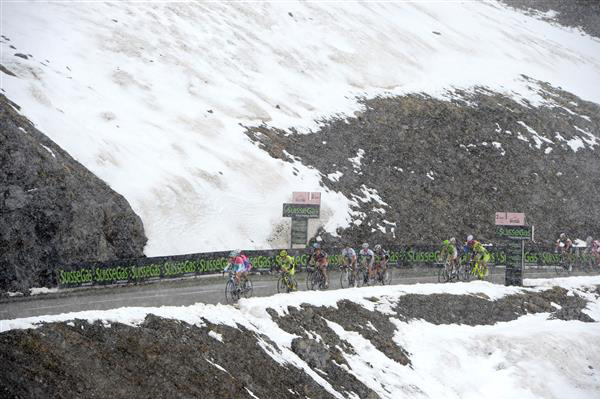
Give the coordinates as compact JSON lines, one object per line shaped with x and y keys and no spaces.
{"x":301,"y":210}
{"x":148,"y":269}
{"x":514,"y":232}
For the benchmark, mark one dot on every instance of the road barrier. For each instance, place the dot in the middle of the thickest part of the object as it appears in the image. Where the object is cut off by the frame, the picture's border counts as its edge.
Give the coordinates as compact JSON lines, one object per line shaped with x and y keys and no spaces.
{"x":156,"y":268}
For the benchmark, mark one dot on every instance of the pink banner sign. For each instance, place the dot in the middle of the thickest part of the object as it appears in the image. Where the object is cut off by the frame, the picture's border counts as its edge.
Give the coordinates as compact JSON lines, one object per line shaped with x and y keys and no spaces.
{"x":305,"y":197}
{"x":510,"y":219}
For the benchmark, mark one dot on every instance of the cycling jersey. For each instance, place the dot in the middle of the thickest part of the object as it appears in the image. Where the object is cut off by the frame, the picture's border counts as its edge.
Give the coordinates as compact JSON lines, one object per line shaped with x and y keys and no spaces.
{"x":367,"y":253}
{"x":348,"y":253}
{"x":286,"y":263}
{"x":237,"y":263}
{"x":479,"y":248}
{"x":566,"y":242}
{"x":321,"y":256}
{"x":451,"y":250}
{"x":382,"y":254}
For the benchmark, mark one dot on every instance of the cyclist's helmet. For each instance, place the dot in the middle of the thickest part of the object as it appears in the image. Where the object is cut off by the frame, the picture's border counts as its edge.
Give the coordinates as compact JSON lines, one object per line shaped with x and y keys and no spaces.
{"x":446,"y":242}
{"x":283,"y":253}
{"x":588,"y":240}
{"x":316,"y":245}
{"x":453,"y":240}
{"x":377,"y":247}
{"x":470,"y":237}
{"x":234,"y":253}
{"x":562,"y":235}
{"x":365,"y":245}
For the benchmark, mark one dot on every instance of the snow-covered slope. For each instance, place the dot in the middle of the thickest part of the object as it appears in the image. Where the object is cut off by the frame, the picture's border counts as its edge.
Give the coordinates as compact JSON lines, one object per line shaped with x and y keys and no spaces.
{"x":153,"y":97}
{"x":536,"y":355}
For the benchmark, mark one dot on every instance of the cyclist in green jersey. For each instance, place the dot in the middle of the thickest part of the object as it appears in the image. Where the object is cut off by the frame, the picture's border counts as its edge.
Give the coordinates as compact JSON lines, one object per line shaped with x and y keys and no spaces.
{"x":287,"y":266}
{"x":450,"y":253}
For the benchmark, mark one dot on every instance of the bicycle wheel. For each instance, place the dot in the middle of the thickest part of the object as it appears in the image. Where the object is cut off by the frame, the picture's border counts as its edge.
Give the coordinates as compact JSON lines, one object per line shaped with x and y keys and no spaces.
{"x":385,"y":277}
{"x":292,"y":284}
{"x":321,"y":281}
{"x":345,"y":278}
{"x":309,"y":278}
{"x":231,"y":294}
{"x":248,"y":290}
{"x":443,"y":276}
{"x":281,"y":285}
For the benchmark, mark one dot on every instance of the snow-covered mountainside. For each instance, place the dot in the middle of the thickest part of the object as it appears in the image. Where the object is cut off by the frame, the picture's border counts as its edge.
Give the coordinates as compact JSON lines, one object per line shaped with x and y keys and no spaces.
{"x":155,"y":98}
{"x":464,"y":340}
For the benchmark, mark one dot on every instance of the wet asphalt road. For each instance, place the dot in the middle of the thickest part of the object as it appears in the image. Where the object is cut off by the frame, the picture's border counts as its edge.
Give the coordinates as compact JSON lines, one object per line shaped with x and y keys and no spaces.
{"x":188,"y":291}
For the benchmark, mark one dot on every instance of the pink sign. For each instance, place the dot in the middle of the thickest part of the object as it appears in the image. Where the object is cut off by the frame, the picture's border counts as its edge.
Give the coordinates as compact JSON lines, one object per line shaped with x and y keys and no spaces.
{"x":510,"y":219}
{"x":305,"y":197}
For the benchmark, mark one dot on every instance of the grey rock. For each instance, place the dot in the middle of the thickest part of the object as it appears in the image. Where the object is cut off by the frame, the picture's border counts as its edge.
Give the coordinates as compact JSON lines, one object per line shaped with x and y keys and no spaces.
{"x":434,"y":164}
{"x":53,"y":211}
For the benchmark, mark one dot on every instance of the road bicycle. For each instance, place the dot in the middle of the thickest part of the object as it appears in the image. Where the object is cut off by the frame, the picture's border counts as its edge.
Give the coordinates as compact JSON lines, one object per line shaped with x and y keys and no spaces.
{"x":315,"y":279}
{"x":348,"y":278}
{"x":383,"y":275}
{"x":473,"y":269}
{"x":234,"y":291}
{"x":286,"y":283}
{"x":565,"y":264}
{"x":444,"y":275}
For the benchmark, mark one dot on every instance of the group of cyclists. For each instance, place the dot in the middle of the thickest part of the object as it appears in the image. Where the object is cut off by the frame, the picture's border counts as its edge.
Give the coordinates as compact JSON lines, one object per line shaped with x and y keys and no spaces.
{"x":475,"y":251}
{"x":375,"y":260}
{"x":478,"y":255}
{"x":564,"y":246}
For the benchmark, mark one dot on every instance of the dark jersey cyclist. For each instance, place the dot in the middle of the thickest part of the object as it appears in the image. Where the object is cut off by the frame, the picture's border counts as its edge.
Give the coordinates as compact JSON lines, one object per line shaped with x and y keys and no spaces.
{"x":381,"y":259}
{"x":564,"y":245}
{"x":321,"y":261}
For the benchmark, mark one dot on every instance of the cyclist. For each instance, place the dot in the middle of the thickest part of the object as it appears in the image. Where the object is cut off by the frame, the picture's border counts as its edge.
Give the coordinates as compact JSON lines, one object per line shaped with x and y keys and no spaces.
{"x":450,"y":253}
{"x":592,"y":249}
{"x":238,"y":263}
{"x":382,"y":256}
{"x":481,"y":256}
{"x":321,"y":261}
{"x":564,"y":244}
{"x":349,"y":259}
{"x":468,"y":251}
{"x":287,"y":266}
{"x":366,"y":253}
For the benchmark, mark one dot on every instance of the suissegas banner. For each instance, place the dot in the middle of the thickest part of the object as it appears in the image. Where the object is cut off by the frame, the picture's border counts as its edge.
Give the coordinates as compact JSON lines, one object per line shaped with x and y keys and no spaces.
{"x":147,"y":269}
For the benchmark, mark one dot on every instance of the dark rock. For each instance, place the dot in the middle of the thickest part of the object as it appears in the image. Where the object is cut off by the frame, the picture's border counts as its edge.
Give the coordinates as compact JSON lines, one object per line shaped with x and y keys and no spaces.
{"x":21,"y":56}
{"x":159,"y":359}
{"x":435,"y":167}
{"x":584,"y":14}
{"x":53,"y":211}
{"x":6,"y":70}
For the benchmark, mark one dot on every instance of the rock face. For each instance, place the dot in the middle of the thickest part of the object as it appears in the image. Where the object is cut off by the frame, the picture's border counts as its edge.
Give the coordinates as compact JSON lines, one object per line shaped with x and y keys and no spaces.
{"x":53,"y":210}
{"x":421,"y":169}
{"x":583,"y":14}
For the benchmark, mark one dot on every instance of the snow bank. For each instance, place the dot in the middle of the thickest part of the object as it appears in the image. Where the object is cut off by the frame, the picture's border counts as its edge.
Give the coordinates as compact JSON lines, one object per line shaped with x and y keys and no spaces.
{"x":529,"y":357}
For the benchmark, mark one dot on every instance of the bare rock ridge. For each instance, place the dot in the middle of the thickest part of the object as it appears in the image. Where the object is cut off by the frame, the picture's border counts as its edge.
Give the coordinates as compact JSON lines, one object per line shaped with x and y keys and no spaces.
{"x":422,"y":169}
{"x":53,"y":210}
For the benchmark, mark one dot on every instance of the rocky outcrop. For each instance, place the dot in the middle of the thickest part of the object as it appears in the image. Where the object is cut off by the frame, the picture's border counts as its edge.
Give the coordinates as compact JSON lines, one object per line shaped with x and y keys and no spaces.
{"x":423,"y":169}
{"x":583,"y":14}
{"x":165,"y":358}
{"x":53,"y":210}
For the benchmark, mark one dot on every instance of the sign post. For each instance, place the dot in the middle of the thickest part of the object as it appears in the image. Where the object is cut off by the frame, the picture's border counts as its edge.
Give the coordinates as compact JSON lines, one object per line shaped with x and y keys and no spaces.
{"x":304,"y":206}
{"x":511,"y":227}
